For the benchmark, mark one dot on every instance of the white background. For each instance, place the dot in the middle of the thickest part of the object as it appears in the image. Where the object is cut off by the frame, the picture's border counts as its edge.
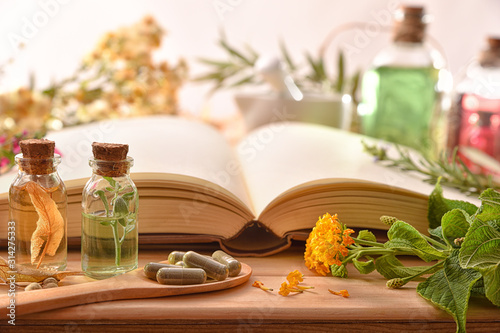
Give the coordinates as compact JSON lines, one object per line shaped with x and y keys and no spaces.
{"x":74,"y":26}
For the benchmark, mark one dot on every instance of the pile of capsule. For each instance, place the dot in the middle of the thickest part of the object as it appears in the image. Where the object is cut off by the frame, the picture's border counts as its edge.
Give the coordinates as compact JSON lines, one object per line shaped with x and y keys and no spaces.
{"x":193,"y":268}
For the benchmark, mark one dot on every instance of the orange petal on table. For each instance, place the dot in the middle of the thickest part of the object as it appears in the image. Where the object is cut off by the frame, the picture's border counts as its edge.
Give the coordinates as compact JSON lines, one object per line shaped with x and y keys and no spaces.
{"x":50,"y":222}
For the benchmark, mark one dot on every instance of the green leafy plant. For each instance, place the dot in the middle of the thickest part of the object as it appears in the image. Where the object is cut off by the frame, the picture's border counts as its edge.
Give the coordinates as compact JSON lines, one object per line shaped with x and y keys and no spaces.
{"x":238,"y":70}
{"x":450,"y":169}
{"x":117,"y":216}
{"x":464,"y":248}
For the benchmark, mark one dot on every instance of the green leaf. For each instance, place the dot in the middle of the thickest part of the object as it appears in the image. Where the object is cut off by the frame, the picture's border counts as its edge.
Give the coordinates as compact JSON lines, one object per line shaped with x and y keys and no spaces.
{"x":242,"y":81}
{"x":339,"y":271}
{"x":106,"y":223}
{"x":286,"y":57}
{"x":355,"y":86}
{"x":455,"y":224}
{"x":438,"y":206}
{"x":225,"y":45}
{"x":128,"y":196}
{"x":120,"y":210}
{"x":450,"y":288}
{"x":481,"y":250}
{"x":364,"y":267}
{"x":111,"y":181}
{"x":318,"y":69}
{"x":491,"y":278}
{"x":367,"y":235}
{"x":104,"y":200}
{"x":481,"y":247}
{"x":340,"y":72}
{"x":221,"y":64}
{"x":478,"y":288}
{"x":390,"y":267}
{"x":130,"y":226}
{"x":490,"y":208}
{"x":437,"y":234}
{"x":405,"y":237}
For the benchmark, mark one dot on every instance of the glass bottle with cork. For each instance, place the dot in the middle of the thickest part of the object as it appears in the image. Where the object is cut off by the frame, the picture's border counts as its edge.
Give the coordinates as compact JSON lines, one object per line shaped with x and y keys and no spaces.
{"x":109,"y":218}
{"x":475,"y":117}
{"x":37,"y":207}
{"x":403,"y":91}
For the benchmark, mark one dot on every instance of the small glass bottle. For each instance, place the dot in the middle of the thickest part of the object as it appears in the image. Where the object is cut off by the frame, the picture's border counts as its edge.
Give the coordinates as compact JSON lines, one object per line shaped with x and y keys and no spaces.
{"x":109,"y":218}
{"x":474,"y":122}
{"x":403,"y":93}
{"x":37,"y":206}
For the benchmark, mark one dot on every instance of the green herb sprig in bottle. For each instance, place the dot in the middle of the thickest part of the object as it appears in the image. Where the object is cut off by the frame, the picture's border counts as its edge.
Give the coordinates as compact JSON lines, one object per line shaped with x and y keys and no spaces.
{"x":109,"y":218}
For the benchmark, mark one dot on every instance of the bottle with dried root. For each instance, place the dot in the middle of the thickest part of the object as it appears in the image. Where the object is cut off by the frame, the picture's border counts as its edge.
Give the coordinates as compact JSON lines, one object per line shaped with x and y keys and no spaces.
{"x":37,"y":207}
{"x":109,"y":218}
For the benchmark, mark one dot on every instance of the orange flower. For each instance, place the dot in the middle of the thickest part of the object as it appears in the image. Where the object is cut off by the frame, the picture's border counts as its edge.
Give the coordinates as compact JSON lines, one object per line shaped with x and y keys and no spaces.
{"x":343,"y":292}
{"x":260,"y":285}
{"x":327,"y":244}
{"x":286,"y":289}
{"x":295,"y":277}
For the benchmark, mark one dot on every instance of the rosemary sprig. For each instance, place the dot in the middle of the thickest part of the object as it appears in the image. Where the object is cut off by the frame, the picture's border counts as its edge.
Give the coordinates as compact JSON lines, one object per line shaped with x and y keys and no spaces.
{"x":450,"y":168}
{"x":238,"y":70}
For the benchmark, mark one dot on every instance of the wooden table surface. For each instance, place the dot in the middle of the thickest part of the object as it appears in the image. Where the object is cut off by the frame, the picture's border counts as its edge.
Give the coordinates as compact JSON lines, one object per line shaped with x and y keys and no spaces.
{"x":371,"y":306}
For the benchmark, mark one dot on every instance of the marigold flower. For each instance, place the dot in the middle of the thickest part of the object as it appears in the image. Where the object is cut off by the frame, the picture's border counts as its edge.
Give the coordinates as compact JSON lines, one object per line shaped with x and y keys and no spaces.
{"x":343,"y":292}
{"x":286,"y":289}
{"x":295,"y":277}
{"x":327,"y":244}
{"x":260,"y":285}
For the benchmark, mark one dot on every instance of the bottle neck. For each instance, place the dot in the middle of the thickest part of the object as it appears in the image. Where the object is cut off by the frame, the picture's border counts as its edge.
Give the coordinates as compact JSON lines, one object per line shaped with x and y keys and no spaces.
{"x":111,"y":168}
{"x":409,"y":26}
{"x":37,"y":166}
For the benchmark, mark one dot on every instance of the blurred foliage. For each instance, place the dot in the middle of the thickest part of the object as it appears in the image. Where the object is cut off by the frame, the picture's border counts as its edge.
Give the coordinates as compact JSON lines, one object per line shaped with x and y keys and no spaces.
{"x":238,"y":70}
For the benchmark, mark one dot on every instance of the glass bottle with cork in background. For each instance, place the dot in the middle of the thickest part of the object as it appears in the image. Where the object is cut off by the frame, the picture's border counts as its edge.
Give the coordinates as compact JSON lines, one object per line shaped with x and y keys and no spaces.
{"x":110,"y":205}
{"x":475,"y":117}
{"x":405,"y":93}
{"x":37,"y":207}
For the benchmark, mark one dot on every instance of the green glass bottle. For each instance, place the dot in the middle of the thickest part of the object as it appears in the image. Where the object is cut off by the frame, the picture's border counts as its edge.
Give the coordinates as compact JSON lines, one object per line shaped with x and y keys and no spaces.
{"x":403,"y":91}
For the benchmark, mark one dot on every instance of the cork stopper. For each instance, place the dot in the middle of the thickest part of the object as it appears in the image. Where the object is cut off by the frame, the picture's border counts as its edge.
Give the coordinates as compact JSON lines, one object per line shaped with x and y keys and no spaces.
{"x":109,"y":151}
{"x":491,"y":56}
{"x":111,"y":159}
{"x":409,"y":25}
{"x":37,"y":148}
{"x":38,"y":155}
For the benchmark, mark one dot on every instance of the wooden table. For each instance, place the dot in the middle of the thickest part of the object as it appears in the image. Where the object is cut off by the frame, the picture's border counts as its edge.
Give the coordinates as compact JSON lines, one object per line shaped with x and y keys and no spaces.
{"x":371,"y":306}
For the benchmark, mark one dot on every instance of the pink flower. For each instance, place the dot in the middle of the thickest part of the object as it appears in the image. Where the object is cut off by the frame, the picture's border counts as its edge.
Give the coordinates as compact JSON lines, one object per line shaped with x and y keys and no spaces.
{"x":2,"y":139}
{"x":15,"y":147}
{"x":57,"y":151}
{"x":4,"y":161}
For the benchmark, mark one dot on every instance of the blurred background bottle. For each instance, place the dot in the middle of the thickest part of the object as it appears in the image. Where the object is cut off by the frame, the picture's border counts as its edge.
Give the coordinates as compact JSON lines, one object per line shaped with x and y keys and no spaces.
{"x":475,"y":117}
{"x":404,"y":96}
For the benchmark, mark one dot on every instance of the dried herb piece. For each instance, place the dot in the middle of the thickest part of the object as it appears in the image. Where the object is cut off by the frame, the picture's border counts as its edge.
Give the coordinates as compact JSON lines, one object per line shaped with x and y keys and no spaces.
{"x":27,"y":274}
{"x":50,"y":223}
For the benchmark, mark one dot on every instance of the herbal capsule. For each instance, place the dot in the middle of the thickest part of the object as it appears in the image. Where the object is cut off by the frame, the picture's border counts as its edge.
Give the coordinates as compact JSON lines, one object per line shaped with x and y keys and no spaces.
{"x":180,"y":264}
{"x":214,"y":269}
{"x":232,"y":264}
{"x":175,"y":256}
{"x":152,"y":268}
{"x":181,"y":276}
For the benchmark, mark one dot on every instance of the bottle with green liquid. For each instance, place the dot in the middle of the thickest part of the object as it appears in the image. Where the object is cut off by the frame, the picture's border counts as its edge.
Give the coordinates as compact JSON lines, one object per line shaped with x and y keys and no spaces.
{"x":404,"y":92}
{"x":109,"y":214}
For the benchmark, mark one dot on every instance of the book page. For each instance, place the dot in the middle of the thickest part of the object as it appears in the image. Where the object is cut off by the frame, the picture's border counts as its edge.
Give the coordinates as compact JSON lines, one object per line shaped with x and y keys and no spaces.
{"x":280,"y":156}
{"x":159,"y":144}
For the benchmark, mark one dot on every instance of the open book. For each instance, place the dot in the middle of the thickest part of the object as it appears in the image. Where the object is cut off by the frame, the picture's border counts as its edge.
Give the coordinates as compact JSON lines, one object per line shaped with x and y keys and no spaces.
{"x":253,"y":197}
